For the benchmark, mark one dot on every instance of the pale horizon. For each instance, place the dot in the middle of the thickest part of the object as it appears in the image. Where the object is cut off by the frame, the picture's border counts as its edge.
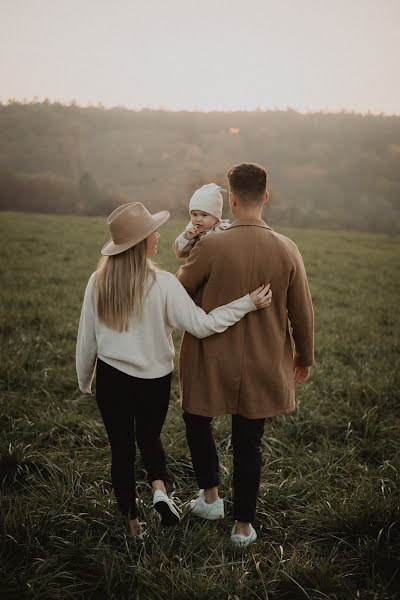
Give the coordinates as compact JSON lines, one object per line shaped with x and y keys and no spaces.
{"x":102,"y":105}
{"x":312,"y":56}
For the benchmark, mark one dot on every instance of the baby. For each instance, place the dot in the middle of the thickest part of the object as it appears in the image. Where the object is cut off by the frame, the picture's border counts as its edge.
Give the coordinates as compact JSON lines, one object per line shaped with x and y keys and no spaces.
{"x":205,"y":209}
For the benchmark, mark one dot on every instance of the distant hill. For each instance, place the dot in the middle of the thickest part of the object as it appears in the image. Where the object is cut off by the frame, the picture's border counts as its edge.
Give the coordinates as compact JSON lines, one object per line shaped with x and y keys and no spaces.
{"x":328,"y":170}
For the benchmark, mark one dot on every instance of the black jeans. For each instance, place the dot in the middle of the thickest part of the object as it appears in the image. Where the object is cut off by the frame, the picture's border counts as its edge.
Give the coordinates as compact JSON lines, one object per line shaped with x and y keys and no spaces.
{"x":246,"y":442}
{"x":132,"y":410}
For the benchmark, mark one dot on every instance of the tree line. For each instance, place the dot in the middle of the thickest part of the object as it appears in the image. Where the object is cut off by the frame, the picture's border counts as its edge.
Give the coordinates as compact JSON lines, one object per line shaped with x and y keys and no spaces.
{"x":337,"y":170}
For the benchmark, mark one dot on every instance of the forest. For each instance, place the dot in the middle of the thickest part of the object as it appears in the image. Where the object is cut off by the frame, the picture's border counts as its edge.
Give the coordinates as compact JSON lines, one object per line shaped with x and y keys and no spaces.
{"x":336,"y":171}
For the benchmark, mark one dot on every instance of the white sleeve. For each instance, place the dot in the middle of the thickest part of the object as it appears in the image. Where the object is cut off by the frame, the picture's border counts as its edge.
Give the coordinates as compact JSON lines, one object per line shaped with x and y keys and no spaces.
{"x":86,"y":345}
{"x":183,"y":313}
{"x":223,"y":225}
{"x":183,"y":244}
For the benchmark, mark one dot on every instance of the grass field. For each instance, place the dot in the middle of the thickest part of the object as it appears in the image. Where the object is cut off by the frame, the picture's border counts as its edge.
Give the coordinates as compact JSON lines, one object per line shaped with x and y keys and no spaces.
{"x":328,"y":512}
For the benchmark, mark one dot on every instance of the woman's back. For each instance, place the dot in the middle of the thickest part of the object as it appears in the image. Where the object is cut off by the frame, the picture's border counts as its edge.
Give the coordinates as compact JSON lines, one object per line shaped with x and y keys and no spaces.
{"x":145,"y":349}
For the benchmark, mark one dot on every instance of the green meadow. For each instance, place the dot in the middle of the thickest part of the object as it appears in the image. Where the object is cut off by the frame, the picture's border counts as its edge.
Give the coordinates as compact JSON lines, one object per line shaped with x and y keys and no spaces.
{"x":328,"y":511}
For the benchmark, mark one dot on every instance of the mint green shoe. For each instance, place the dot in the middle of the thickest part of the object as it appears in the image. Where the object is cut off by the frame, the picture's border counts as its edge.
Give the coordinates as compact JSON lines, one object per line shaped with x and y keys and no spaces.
{"x":240,"y":540}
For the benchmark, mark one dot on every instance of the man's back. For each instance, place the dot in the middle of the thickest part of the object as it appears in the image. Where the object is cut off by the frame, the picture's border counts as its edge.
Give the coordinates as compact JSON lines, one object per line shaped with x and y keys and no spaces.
{"x":247,"y":370}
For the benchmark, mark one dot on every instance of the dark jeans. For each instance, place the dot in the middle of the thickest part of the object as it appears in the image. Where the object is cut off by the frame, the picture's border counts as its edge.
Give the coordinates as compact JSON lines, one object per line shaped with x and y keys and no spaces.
{"x":246,"y":442}
{"x":133,"y":410}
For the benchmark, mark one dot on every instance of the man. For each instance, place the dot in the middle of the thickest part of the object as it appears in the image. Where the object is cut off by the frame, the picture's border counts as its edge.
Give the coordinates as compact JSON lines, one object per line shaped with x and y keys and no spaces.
{"x":248,"y":371}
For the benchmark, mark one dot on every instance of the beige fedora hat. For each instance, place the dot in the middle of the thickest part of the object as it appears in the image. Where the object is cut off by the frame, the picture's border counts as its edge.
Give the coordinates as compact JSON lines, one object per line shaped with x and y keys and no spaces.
{"x":129,"y":224}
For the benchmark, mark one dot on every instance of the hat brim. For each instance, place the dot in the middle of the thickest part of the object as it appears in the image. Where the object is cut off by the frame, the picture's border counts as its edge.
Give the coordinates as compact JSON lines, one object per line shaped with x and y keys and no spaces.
{"x":110,"y":249}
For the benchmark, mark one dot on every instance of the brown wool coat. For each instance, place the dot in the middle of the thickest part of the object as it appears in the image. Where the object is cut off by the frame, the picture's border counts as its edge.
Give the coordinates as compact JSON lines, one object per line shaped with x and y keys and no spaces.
{"x":248,"y":369}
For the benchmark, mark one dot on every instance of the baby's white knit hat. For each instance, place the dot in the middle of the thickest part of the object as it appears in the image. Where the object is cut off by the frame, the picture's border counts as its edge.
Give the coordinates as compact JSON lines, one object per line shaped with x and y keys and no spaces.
{"x":209,"y":199}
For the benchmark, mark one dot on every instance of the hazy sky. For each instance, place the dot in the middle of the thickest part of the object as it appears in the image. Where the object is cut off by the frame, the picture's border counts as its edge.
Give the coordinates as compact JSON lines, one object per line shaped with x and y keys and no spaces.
{"x":204,"y":54}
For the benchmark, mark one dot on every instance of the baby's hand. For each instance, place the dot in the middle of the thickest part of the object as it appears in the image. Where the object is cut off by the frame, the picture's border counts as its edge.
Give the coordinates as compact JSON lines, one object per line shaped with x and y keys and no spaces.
{"x":262,"y":296}
{"x":191,"y":233}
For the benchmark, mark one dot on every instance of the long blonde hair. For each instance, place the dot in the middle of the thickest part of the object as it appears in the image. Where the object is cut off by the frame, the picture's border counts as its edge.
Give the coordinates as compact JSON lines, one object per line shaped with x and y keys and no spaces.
{"x":121,"y":285}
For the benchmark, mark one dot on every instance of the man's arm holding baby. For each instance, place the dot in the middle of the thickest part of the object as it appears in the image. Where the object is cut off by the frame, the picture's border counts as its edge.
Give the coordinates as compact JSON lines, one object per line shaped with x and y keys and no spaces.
{"x":195,"y":272}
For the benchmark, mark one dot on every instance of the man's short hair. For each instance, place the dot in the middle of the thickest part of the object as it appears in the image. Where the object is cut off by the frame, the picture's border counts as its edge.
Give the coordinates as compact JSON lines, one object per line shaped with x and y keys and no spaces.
{"x":248,"y":181}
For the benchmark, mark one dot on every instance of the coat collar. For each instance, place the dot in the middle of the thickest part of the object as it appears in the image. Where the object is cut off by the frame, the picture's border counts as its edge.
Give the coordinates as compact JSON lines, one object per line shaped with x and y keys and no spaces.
{"x":253,"y":222}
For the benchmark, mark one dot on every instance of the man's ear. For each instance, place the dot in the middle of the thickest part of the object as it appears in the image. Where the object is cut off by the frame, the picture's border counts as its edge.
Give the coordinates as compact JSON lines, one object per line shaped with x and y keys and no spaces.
{"x":266,"y":197}
{"x":232,"y":199}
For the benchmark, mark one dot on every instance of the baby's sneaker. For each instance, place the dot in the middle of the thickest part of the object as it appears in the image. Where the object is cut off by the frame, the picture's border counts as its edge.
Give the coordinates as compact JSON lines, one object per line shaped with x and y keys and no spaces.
{"x":211,"y":511}
{"x":166,"y":508}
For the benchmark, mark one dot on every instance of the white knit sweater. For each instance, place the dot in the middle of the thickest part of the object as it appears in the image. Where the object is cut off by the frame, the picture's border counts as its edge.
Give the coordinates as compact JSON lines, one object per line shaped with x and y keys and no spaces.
{"x":146,"y":350}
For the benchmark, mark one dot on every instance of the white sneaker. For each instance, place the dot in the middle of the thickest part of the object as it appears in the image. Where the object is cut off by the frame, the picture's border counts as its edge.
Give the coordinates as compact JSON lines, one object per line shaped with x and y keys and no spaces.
{"x":166,"y":508}
{"x":238,"y":539}
{"x":211,"y":511}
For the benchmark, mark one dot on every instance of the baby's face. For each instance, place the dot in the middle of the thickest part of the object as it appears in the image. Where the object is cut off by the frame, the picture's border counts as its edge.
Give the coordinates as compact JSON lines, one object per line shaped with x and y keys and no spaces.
{"x":202,"y":220}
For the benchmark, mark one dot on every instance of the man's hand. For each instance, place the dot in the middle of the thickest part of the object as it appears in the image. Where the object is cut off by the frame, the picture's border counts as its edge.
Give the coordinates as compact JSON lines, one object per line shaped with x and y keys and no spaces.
{"x":301,"y":374}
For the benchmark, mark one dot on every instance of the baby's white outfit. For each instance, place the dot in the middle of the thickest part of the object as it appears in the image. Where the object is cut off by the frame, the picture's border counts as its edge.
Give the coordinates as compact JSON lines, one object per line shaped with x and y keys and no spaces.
{"x":183,"y":246}
{"x":208,"y":199}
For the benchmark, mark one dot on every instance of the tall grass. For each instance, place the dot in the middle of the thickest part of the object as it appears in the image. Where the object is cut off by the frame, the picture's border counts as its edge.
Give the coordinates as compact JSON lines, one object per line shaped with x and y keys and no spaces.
{"x":328,"y":511}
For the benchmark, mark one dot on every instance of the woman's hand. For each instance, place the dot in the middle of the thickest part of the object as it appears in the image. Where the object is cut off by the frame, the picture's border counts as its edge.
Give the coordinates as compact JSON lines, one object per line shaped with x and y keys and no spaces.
{"x":262,"y":296}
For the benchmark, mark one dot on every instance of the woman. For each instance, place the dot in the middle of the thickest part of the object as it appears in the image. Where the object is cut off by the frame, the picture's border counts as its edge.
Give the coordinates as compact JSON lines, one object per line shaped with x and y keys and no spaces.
{"x":129,"y":310}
